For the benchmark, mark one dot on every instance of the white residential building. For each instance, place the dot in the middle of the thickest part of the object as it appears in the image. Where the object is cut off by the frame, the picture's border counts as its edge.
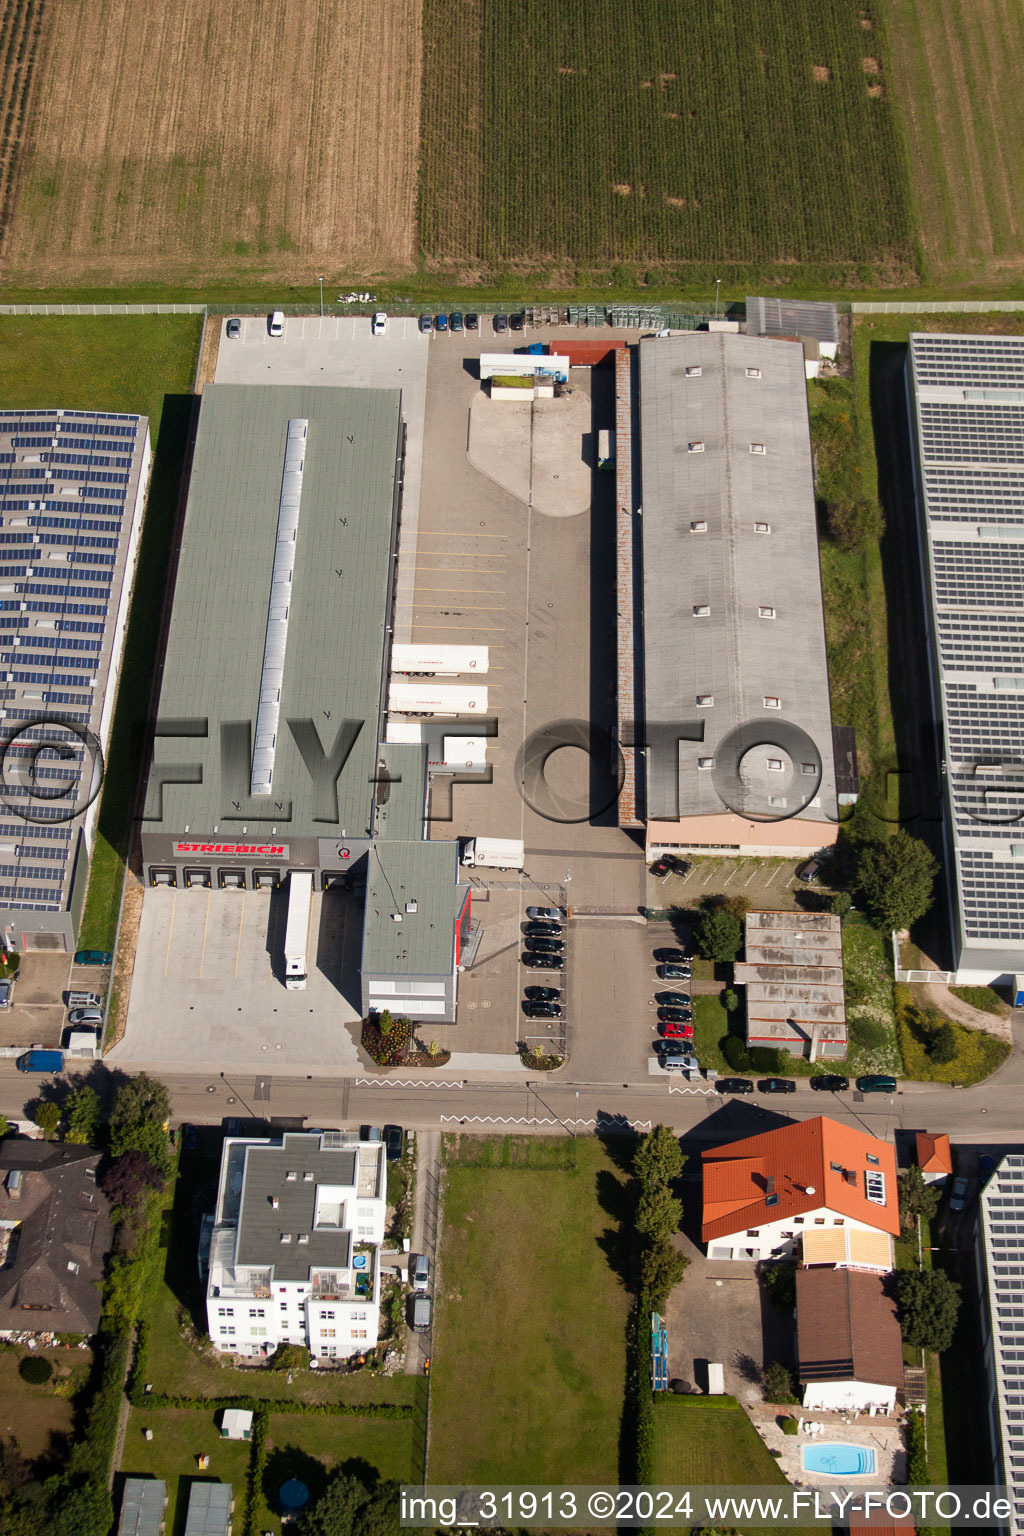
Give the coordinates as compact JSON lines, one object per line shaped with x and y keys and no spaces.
{"x":999,"y":1261}
{"x":295,"y":1249}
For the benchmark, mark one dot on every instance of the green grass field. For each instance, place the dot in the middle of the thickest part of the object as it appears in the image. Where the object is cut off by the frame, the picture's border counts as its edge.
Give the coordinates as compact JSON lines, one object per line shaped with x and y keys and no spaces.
{"x":179,"y":1437}
{"x":143,"y":364}
{"x":528,"y":1378}
{"x":309,"y":1448}
{"x":736,"y":137}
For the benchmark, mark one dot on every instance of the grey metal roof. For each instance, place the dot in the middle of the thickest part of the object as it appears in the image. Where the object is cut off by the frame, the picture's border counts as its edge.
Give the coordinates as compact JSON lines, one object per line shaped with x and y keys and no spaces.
{"x":968,"y":400}
{"x":712,"y":580}
{"x":844,"y":752}
{"x":400,"y":815}
{"x":69,"y":487}
{"x":338,"y":609}
{"x":423,"y":943}
{"x":209,"y":1509}
{"x":260,"y":1224}
{"x":793,"y":973}
{"x":792,"y":317}
{"x":142,"y":1507}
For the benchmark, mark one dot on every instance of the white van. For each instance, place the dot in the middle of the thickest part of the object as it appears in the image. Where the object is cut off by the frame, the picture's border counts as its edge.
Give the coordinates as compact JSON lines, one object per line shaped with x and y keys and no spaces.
{"x":275,"y":324}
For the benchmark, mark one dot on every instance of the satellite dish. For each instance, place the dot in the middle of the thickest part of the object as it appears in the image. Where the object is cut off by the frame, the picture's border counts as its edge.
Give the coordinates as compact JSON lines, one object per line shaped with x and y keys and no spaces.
{"x":810,"y":1190}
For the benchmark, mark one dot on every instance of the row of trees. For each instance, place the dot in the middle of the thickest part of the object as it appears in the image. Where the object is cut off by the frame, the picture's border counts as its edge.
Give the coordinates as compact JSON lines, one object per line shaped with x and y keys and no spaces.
{"x":658,"y":1163}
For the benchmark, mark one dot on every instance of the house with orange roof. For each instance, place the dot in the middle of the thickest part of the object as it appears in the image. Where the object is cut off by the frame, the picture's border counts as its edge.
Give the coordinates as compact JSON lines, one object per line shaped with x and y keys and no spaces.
{"x":815,"y":1190}
{"x":934,"y":1157}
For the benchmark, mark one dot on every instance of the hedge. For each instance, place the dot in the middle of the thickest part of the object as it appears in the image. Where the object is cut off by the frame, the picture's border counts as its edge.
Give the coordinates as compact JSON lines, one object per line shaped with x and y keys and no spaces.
{"x":917,"y":1451}
{"x":257,"y":1468}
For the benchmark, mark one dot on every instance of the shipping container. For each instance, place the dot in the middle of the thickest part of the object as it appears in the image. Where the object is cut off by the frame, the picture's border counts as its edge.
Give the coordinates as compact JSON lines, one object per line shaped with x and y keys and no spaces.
{"x":438,"y":660}
{"x":428,"y":698}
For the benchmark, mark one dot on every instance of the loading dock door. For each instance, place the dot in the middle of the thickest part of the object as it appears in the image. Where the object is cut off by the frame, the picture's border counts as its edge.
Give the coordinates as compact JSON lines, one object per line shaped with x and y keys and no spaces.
{"x":163,"y":877}
{"x":198,"y":877}
{"x":232,"y":879}
{"x":265,"y":879}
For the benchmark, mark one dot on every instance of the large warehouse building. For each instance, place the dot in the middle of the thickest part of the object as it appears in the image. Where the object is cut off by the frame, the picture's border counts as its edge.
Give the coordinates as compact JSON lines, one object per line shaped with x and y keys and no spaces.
{"x":737,"y":732}
{"x":72,"y":489}
{"x":967,"y":410}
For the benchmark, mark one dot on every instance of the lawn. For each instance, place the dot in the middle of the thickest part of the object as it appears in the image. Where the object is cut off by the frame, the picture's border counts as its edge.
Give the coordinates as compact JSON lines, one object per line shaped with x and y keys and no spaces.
{"x":869,"y":1001}
{"x":528,"y":1378}
{"x":36,"y":1418}
{"x":308,"y":1448}
{"x":977,"y":1054}
{"x":144,"y":364}
{"x":179,"y":1437}
{"x":986,"y":999}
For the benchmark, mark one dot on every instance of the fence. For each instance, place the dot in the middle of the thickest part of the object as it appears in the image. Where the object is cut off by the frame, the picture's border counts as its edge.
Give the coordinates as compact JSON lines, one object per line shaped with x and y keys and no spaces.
{"x":938,"y":307}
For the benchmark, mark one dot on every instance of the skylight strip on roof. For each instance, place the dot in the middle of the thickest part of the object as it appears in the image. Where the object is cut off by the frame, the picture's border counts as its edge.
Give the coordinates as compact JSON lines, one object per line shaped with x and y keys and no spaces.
{"x":272,"y":677}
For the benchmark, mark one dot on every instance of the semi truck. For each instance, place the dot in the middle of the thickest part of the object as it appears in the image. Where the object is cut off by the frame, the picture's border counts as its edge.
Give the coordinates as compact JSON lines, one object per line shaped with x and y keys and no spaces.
{"x":428,"y":698}
{"x":296,"y":934}
{"x":605,"y":449}
{"x":41,"y":1061}
{"x":493,"y":853}
{"x":438,"y":660}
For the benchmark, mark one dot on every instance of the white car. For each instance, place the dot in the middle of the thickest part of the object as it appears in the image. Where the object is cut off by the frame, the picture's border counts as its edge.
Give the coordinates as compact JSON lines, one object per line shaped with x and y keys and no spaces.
{"x":275,"y":324}
{"x":545,"y":914}
{"x":379,"y":324}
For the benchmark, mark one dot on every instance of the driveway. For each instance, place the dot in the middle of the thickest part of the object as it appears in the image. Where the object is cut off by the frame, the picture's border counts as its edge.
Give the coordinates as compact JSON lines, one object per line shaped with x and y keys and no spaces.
{"x":719,"y":1314}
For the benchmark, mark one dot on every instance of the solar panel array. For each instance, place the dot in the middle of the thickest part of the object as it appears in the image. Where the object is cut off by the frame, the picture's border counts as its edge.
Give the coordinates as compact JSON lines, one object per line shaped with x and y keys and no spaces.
{"x":969,"y":407}
{"x":1002,"y":1233}
{"x":68,"y":484}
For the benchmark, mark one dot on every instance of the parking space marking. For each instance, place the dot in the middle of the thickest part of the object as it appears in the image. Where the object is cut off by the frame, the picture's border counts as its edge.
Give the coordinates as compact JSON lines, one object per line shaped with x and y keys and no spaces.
{"x":206,"y":924}
{"x":241,"y":919}
{"x":170,"y":932}
{"x":464,"y":607}
{"x":404,"y":1082}
{"x":463,"y":629}
{"x":453,"y":533}
{"x":476,"y":591}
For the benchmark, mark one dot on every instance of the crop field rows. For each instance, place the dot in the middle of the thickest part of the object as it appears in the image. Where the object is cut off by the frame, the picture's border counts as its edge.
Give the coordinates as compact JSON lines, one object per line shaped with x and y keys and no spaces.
{"x":754,"y":133}
{"x":20,"y":42}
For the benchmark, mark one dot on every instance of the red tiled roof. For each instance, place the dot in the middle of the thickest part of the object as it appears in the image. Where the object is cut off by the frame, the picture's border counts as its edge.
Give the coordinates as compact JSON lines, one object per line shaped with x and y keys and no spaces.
{"x":933,"y":1153}
{"x":790,"y":1162}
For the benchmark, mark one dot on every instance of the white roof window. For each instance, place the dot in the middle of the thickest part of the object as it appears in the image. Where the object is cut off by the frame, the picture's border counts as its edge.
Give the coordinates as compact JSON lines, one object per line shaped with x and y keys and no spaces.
{"x":765,"y":613}
{"x":753,"y":373}
{"x":774,"y":764}
{"x":705,"y":700}
{"x":694,"y":371}
{"x":700,"y":526}
{"x":695,"y":447}
{"x":701,"y":610}
{"x":771,"y":701}
{"x":808,"y":768}
{"x":777,"y":800}
{"x":758,"y":448}
{"x":762,"y":527}
{"x":705,"y":763}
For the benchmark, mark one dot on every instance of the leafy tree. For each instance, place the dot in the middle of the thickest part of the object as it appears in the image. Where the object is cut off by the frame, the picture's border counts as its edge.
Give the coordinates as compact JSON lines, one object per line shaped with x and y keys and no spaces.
{"x":47,"y":1117}
{"x":348,"y":1508}
{"x":658,"y":1214}
{"x":942,"y":1045}
{"x":735,"y":1052}
{"x":718,"y":934}
{"x":35,"y":1369}
{"x":916,"y":1198}
{"x":730,"y":1000}
{"x":82,"y":1112}
{"x":840,"y":904}
{"x":84,"y":1508}
{"x":777,"y":1381}
{"x":779,"y":1281}
{"x":855,"y":523}
{"x":291,"y":1357}
{"x":659,"y":1158}
{"x":379,"y":1515}
{"x":661,"y":1268}
{"x":929,"y":1303}
{"x":896,"y":880}
{"x":138,"y":1121}
{"x":127,"y":1178}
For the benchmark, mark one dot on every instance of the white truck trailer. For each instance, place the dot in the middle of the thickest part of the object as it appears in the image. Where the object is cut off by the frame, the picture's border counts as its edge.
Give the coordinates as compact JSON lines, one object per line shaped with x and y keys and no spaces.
{"x":429,"y":698}
{"x":493,"y":853}
{"x":296,"y":933}
{"x":438,"y":660}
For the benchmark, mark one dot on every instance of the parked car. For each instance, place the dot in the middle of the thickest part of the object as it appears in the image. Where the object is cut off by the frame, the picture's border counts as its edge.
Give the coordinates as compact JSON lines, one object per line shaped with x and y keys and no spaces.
{"x":472,"y":322}
{"x":675,"y":1016}
{"x":420,"y":1313}
{"x":679,"y":866}
{"x":369,"y":1133}
{"x":419,"y":1271}
{"x":877,"y":1082}
{"x":675,"y":1029}
{"x":734,"y":1085}
{"x":987,"y":1168}
{"x":673,"y":956}
{"x":958,"y":1196}
{"x":776,"y":1085}
{"x":543,"y":994}
{"x":674,"y":972}
{"x":830,"y":1082}
{"x":379,"y":323}
{"x":93,"y":957}
{"x":680,"y":1063}
{"x":543,"y":962}
{"x":275,"y":323}
{"x":810,"y":870}
{"x":517,"y":321}
{"x":394,"y":1143}
{"x":500,"y":324}
{"x":455,"y":321}
{"x":672,"y":999}
{"x":6,"y":992}
{"x":671,"y":1048}
{"x":545,"y":946}
{"x":189,"y":1138}
{"x":233,"y":329}
{"x":660,"y":868}
{"x":542,"y":1010}
{"x":545,"y":914}
{"x":543,"y":930}
{"x":441,"y":323}
{"x":426,"y":323}
{"x":87,"y":1016}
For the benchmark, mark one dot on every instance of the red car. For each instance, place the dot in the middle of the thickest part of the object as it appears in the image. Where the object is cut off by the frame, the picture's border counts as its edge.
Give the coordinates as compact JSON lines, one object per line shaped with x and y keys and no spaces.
{"x":675,"y":1031}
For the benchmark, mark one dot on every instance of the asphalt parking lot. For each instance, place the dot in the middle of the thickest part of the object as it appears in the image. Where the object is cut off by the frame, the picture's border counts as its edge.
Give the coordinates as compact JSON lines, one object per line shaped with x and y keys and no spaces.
{"x":768,"y":883}
{"x":207,"y":989}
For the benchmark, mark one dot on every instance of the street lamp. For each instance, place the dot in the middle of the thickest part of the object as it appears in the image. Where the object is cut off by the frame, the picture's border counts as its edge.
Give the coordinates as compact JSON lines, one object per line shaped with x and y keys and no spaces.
{"x":568,"y":881}
{"x":321,"y":298}
{"x":718,"y":286}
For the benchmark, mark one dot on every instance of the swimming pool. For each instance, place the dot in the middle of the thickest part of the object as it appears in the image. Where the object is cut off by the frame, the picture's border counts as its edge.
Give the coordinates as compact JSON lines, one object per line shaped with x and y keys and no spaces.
{"x":838,"y":1460}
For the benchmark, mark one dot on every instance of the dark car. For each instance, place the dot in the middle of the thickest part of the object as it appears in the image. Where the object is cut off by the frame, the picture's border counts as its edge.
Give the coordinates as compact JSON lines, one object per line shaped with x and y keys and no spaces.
{"x":500,"y":323}
{"x":672,"y":956}
{"x":734,"y":1085}
{"x":233,"y":329}
{"x":660,"y":868}
{"x":543,"y":994}
{"x":673,"y":1048}
{"x":672,"y":999}
{"x":455,"y":321}
{"x":543,"y":930}
{"x":675,"y":1016}
{"x":810,"y":870}
{"x":394,"y":1143}
{"x":680,"y":866}
{"x":517,"y":321}
{"x":93,"y":957}
{"x":542,"y":1010}
{"x":776,"y":1085}
{"x":189,"y":1138}
{"x":986,"y":1167}
{"x":877,"y":1082}
{"x":543,"y":962}
{"x":472,"y":322}
{"x":545,"y":946}
{"x":440,"y":322}
{"x":426,"y":323}
{"x":674,"y":972}
{"x":830,"y":1082}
